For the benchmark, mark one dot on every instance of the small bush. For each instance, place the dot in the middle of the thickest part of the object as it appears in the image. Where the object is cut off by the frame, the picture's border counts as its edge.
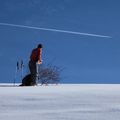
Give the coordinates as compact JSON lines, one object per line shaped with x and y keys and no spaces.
{"x":49,"y":74}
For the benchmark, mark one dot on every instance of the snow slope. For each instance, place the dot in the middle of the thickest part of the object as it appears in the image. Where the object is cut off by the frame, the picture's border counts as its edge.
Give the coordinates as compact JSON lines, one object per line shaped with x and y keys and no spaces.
{"x":61,"y":102}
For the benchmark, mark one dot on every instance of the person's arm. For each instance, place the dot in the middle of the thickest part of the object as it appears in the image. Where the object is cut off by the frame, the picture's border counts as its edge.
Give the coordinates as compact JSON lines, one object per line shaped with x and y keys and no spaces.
{"x":40,"y":56}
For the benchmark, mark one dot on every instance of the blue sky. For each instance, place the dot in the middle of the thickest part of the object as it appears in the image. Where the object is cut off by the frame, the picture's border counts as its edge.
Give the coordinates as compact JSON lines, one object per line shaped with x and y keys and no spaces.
{"x":86,"y":59}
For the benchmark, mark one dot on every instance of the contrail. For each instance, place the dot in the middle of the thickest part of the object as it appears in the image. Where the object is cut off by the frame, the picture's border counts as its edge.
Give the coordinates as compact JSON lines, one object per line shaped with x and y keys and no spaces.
{"x":54,"y":30}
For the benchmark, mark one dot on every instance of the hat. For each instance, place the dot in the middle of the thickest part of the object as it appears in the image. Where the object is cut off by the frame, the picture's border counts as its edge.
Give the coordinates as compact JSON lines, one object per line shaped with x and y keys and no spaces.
{"x":40,"y":46}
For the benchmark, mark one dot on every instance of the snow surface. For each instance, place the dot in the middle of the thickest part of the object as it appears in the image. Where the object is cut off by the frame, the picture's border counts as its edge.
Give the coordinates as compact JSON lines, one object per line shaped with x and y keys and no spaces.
{"x":60,"y":102}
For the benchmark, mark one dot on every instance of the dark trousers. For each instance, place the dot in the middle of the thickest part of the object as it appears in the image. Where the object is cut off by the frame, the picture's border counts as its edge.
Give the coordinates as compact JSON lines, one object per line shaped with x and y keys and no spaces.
{"x":33,"y":72}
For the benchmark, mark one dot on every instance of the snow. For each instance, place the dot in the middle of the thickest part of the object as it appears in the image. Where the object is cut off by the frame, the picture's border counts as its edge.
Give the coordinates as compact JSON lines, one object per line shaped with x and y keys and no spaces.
{"x":60,"y":102}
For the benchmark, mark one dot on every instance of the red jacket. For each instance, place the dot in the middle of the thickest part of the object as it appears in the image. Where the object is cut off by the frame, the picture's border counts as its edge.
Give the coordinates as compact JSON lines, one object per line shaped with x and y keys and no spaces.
{"x":36,"y":55}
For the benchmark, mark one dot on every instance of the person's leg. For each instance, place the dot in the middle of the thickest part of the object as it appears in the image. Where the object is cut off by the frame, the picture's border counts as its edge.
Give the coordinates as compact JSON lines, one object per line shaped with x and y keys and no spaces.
{"x":33,"y":71}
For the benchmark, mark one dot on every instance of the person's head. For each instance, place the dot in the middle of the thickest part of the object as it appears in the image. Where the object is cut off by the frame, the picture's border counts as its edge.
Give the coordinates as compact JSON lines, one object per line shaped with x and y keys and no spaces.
{"x":40,"y":46}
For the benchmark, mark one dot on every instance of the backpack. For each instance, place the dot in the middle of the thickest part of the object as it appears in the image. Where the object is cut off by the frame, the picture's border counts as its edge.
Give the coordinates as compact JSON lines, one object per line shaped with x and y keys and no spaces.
{"x":34,"y":55}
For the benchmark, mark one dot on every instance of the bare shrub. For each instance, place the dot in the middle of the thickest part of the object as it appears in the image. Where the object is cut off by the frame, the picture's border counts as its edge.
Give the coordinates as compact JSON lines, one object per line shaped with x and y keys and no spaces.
{"x":49,"y":74}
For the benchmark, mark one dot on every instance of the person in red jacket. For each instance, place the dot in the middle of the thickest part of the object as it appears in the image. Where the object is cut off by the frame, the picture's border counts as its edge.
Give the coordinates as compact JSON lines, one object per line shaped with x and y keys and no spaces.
{"x":35,"y":58}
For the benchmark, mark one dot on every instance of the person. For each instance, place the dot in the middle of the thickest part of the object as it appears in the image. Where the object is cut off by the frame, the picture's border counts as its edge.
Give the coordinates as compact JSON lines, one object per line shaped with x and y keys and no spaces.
{"x":35,"y":58}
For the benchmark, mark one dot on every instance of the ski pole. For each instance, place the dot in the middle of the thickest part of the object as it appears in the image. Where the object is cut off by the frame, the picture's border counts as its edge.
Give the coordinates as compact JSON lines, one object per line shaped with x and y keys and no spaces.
{"x":16,"y":70}
{"x":21,"y":66}
{"x":37,"y":74}
{"x":37,"y":69}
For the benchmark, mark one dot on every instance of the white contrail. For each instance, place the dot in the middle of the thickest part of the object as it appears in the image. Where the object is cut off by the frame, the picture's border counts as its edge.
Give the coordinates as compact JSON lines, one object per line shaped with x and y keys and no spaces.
{"x":55,"y":30}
